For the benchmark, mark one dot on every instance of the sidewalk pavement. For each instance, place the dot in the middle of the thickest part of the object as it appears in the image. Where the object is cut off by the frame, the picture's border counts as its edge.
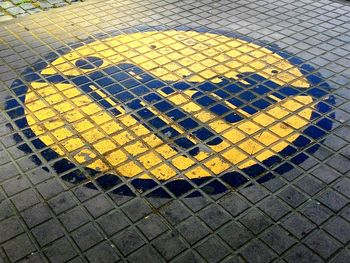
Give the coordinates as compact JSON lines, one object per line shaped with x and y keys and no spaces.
{"x":176,"y":131}
{"x":10,"y":9}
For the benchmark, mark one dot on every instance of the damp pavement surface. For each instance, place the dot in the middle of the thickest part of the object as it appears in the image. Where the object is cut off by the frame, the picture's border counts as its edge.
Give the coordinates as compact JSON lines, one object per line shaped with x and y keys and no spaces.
{"x":10,"y":9}
{"x":175,"y":131}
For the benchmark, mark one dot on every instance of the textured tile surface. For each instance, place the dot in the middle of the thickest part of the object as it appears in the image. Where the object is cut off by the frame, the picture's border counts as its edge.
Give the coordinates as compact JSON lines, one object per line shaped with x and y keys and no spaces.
{"x":294,"y":209}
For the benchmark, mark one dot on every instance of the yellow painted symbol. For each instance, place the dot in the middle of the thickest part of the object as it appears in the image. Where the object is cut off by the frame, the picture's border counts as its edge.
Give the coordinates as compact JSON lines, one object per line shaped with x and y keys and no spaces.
{"x":78,"y":128}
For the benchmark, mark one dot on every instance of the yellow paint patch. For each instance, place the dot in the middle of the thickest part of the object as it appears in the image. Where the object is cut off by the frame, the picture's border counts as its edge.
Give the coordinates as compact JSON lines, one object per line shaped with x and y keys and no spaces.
{"x":163,"y":172}
{"x":175,"y":55}
{"x":197,"y":172}
{"x":149,"y":160}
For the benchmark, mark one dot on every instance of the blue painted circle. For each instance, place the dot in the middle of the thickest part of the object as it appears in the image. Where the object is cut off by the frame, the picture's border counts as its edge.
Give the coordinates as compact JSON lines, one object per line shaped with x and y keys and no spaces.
{"x":294,"y":154}
{"x":89,"y":63}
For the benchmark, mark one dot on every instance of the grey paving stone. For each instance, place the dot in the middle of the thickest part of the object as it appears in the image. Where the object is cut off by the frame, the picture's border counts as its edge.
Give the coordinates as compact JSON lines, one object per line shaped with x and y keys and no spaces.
{"x":342,"y":90}
{"x":19,"y":247}
{"x":196,"y":204}
{"x":257,"y":251}
{"x":292,"y":174}
{"x":334,"y":142}
{"x":76,"y":260}
{"x":62,"y":202}
{"x":55,"y":1}
{"x":128,"y":241}
{"x":188,"y":257}
{"x":235,"y":235}
{"x":338,"y":228}
{"x":310,"y":185}
{"x":152,"y":226}
{"x":50,"y":188}
{"x":87,"y":236}
{"x":6,"y":4}
{"x":8,"y":141}
{"x":322,"y":153}
{"x":9,"y":228}
{"x":74,"y":218}
{"x":113,"y":222}
{"x":339,"y":163}
{"x":342,"y":257}
{"x":234,"y":204}
{"x":118,"y":199}
{"x":103,"y":252}
{"x":157,"y":203}
{"x":8,"y":171}
{"x":25,"y":199}
{"x":145,"y":254}
{"x":48,"y":232}
{"x":292,"y":196}
{"x":233,"y":259}
{"x":255,"y":221}
{"x":278,"y":239}
{"x":345,"y":213}
{"x":84,"y":194}
{"x":343,"y":187}
{"x":332,"y":200}
{"x":60,"y":251}
{"x":274,"y":184}
{"x":16,"y":185}
{"x":346,"y":150}
{"x":169,"y":245}
{"x":60,"y":4}
{"x":343,"y":132}
{"x":175,"y":212}
{"x":38,"y":175}
{"x":7,"y":128}
{"x":15,"y":10}
{"x":34,"y":11}
{"x":193,"y":230}
{"x":98,"y":206}
{"x":27,"y":6}
{"x":298,"y":225}
{"x":341,"y":117}
{"x":213,"y":250}
{"x":316,"y":212}
{"x":325,"y":174}
{"x":273,"y":208}
{"x":214,"y":216}
{"x":6,"y":210}
{"x":2,"y":196}
{"x":16,"y":2}
{"x":302,"y":254}
{"x":311,"y":162}
{"x":45,"y":5}
{"x":37,"y":214}
{"x":254,"y":193}
{"x":34,"y":258}
{"x":4,"y":158}
{"x":136,"y":209}
{"x":323,"y":244}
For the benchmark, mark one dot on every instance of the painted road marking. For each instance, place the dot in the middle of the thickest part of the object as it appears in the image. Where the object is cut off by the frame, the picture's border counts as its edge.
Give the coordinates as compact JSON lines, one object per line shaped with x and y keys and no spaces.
{"x":166,"y":104}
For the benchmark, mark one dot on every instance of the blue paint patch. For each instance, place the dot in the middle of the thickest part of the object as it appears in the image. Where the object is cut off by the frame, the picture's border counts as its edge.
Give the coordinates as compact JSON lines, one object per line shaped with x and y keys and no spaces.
{"x":89,"y":63}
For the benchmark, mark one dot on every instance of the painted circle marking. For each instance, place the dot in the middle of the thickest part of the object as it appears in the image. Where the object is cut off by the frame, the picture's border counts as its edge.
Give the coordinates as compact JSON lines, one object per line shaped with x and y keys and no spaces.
{"x":173,"y":106}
